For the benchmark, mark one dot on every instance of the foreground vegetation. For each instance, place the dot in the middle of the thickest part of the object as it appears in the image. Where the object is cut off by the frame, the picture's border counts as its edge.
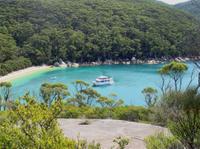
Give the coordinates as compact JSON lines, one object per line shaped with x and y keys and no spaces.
{"x":178,"y":109}
{"x":34,"y":125}
{"x":43,"y":31}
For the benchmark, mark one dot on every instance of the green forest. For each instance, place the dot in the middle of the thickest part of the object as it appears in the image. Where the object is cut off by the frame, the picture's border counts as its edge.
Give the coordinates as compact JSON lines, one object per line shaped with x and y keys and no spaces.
{"x":35,"y":32}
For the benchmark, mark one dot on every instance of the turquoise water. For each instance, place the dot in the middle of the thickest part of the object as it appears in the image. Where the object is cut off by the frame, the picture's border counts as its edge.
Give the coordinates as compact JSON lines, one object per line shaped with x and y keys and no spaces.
{"x":130,"y":80}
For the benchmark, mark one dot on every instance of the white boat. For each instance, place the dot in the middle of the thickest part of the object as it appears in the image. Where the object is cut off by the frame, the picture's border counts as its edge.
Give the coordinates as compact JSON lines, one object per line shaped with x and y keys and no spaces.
{"x":53,"y":78}
{"x":103,"y":80}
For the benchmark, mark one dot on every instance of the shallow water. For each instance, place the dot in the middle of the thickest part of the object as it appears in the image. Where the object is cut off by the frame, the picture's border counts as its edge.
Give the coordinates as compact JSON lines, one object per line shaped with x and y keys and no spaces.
{"x":130,"y":80}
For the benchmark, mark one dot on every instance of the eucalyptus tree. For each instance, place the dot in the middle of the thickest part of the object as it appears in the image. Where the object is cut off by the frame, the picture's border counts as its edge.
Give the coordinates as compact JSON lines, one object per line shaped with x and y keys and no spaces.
{"x":53,"y":92}
{"x":172,"y":76}
{"x":84,"y":94}
{"x":150,"y":96}
{"x":197,"y":63}
{"x":109,"y":102}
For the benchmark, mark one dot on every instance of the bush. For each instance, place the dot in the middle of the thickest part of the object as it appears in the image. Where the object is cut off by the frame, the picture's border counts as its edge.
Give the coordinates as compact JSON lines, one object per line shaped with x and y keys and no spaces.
{"x":24,"y":127}
{"x":70,"y":112}
{"x":161,"y":141}
{"x":100,"y":113}
{"x":132,"y":113}
{"x":3,"y":115}
{"x":129,"y":113}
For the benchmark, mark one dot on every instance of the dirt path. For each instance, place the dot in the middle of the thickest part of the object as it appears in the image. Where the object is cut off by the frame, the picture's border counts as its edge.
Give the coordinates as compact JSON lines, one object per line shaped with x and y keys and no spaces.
{"x":105,"y":130}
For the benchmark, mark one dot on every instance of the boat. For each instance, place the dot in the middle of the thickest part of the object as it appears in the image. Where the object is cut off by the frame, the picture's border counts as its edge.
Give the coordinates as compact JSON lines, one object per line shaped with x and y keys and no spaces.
{"x":53,"y":78}
{"x":103,"y":80}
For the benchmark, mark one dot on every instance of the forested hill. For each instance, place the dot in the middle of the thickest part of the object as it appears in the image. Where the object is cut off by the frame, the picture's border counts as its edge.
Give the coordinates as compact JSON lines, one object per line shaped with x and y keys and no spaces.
{"x":192,"y":7}
{"x":43,"y":31}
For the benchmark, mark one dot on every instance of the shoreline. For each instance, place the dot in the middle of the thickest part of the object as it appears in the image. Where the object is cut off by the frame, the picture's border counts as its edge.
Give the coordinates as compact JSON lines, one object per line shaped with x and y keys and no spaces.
{"x":127,"y":62}
{"x":35,"y":69}
{"x":24,"y":72}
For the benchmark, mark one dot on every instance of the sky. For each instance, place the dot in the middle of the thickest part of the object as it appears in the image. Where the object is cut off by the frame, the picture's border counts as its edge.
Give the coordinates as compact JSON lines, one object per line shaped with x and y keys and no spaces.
{"x":173,"y":1}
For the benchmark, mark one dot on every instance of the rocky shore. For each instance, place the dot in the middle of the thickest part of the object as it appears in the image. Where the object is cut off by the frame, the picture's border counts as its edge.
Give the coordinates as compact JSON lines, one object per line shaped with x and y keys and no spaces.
{"x":126,"y":62}
{"x":34,"y":69}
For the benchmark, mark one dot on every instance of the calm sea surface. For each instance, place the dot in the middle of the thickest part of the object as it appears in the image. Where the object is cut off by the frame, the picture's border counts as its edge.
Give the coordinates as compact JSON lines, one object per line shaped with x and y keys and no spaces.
{"x":130,"y":80}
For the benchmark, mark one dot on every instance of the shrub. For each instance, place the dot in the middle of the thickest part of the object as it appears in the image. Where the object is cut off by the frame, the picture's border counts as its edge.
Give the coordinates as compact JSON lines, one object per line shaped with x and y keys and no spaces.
{"x":70,"y":112}
{"x":161,"y":141}
{"x":131,"y":113}
{"x":24,"y":127}
{"x":121,"y":142}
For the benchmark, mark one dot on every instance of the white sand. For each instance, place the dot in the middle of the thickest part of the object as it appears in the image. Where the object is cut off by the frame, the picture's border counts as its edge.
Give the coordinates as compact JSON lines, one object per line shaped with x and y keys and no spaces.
{"x":24,"y":72}
{"x":105,"y":130}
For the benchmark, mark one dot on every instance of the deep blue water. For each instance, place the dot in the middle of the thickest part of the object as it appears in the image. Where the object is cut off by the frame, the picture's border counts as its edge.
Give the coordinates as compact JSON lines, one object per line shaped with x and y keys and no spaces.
{"x":130,"y":80}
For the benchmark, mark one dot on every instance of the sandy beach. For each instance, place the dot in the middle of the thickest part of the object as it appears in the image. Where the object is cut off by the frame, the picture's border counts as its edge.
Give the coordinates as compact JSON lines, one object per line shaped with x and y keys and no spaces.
{"x":24,"y":72}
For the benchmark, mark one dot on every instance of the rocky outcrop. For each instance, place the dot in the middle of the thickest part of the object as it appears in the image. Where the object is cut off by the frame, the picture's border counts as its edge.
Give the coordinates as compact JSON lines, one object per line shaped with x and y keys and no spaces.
{"x":75,"y":65}
{"x":125,"y":62}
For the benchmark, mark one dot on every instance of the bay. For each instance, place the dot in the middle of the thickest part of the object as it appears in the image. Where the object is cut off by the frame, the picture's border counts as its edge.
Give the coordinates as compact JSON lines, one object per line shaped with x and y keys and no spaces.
{"x":129,"y":80}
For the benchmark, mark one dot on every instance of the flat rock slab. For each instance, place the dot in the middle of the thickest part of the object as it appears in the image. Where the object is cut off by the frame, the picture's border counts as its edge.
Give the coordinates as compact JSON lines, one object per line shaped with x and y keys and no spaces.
{"x":105,"y":130}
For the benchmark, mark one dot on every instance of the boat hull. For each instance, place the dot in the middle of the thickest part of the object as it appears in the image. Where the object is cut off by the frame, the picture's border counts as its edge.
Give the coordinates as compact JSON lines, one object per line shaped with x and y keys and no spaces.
{"x":102,"y":83}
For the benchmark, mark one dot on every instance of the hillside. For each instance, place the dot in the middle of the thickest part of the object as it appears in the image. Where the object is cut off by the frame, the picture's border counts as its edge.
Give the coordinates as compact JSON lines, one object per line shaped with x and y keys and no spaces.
{"x":192,"y":7}
{"x":42,"y":31}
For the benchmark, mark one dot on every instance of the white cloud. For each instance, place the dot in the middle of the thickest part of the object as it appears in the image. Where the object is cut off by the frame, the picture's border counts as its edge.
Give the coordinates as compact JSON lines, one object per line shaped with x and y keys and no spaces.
{"x":173,"y":1}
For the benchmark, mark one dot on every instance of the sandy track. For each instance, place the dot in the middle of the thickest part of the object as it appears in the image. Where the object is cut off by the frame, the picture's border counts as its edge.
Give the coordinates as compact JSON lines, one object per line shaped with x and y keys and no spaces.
{"x":105,"y":130}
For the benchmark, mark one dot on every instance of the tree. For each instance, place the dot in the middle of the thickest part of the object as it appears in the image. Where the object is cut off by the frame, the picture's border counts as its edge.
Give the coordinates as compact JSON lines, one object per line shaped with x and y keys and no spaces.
{"x":5,"y":94}
{"x":53,"y":92}
{"x":90,"y":96}
{"x":21,"y":32}
{"x":150,"y":96}
{"x":84,"y":94}
{"x":8,"y":49}
{"x":80,"y":85}
{"x":175,"y":71}
{"x":38,"y":49}
{"x":198,"y":66}
{"x":109,"y":102}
